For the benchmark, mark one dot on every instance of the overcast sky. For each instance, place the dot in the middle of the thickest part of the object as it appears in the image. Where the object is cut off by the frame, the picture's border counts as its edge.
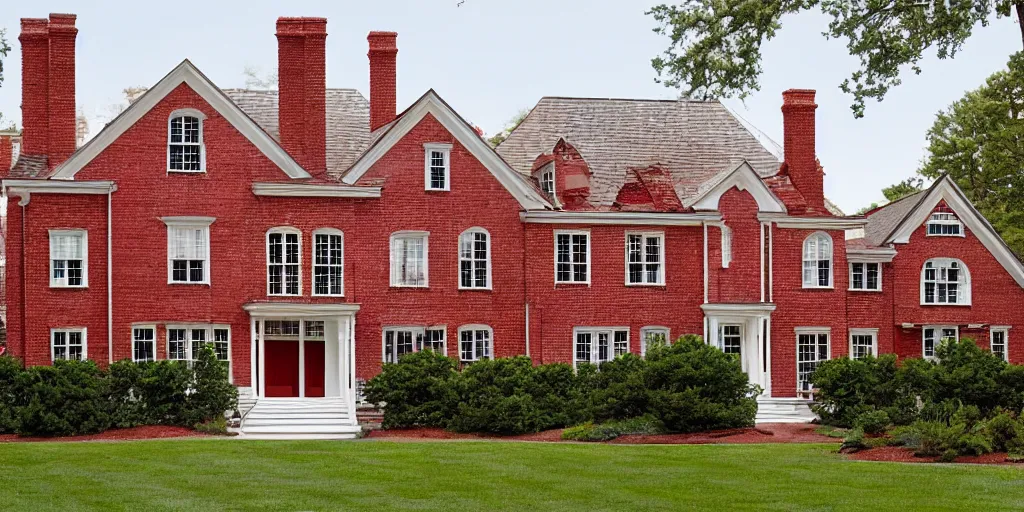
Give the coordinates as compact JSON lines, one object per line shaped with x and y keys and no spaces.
{"x":491,"y":58}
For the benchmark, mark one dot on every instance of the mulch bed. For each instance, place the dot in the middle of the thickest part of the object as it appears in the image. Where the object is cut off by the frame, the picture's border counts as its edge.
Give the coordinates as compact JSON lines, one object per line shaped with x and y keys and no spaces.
{"x":117,"y":434}
{"x":900,"y":454}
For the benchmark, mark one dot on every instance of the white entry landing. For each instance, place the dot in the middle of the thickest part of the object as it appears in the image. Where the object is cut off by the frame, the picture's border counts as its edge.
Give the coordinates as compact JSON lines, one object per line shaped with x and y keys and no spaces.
{"x":300,"y":418}
{"x":783,"y":410}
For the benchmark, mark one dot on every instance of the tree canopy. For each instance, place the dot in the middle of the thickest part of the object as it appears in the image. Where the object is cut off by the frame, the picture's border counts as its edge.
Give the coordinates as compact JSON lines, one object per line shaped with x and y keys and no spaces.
{"x":715,"y":48}
{"x":4,"y":48}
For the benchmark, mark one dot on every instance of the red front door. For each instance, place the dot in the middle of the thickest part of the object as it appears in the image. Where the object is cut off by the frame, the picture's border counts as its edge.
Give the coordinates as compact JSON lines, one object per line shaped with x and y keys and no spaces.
{"x":281,"y":365}
{"x":314,"y":356}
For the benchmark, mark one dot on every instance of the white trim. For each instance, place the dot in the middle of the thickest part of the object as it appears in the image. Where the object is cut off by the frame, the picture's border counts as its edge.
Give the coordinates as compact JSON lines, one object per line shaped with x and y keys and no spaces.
{"x":314,"y":264}
{"x":644,"y":235}
{"x":938,"y":338}
{"x":873,"y":332}
{"x":471,"y":231}
{"x":742,"y":177}
{"x":880,"y":255}
{"x":1005,"y":329}
{"x":475,"y":327}
{"x":727,"y":242}
{"x":738,"y":309}
{"x":283,"y":231}
{"x":313,"y":190}
{"x":619,"y":218}
{"x":187,"y":112}
{"x":705,"y":224}
{"x":290,"y":309}
{"x":643,"y":336}
{"x":569,"y":232}
{"x":189,"y":222}
{"x":826,"y":223}
{"x":594,"y":350}
{"x":963,"y":285}
{"x":431,"y":103}
{"x":153,"y":342}
{"x":446,"y":151}
{"x":85,"y":257}
{"x":827,"y":331}
{"x":188,"y":74}
{"x":85,"y":341}
{"x":549,"y":168}
{"x":409,"y":234}
{"x":947,"y":190}
{"x":831,"y":261}
{"x":25,"y":188}
{"x":865,"y":276}
{"x":932,"y":221}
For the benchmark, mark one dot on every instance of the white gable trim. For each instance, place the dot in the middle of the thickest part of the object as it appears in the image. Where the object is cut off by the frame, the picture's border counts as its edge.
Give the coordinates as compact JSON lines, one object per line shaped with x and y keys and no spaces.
{"x":620,"y":218}
{"x":430,"y":103}
{"x":742,"y":177}
{"x":946,"y":189}
{"x":188,"y":74}
{"x":313,"y":190}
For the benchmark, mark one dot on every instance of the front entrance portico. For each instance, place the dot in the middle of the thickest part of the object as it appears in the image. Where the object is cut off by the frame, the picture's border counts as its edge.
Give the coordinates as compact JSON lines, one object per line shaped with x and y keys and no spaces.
{"x":744,"y":330}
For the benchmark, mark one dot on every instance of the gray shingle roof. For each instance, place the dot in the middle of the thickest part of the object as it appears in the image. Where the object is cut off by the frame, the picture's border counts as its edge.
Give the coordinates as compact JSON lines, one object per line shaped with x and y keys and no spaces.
{"x":694,"y":140}
{"x":883,"y":220}
{"x":348,"y":121}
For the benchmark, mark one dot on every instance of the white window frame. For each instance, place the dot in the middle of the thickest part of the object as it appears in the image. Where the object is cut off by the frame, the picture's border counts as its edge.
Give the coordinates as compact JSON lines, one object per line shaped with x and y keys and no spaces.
{"x":152,"y":342}
{"x":726,"y":246}
{"x":446,"y":150}
{"x":187,"y":112}
{"x":594,"y":349}
{"x":490,"y":338}
{"x":284,"y":231}
{"x":419,"y":338}
{"x":963,"y":285}
{"x":814,"y":331}
{"x":644,"y":331}
{"x":1005,"y":330}
{"x":471,"y":232}
{"x":62,"y":282}
{"x":720,"y":336}
{"x":190,"y":356}
{"x":67,"y":333}
{"x":865,"y":277}
{"x":937,"y":329}
{"x":644,"y":235}
{"x":326,"y":232}
{"x":547,"y":177}
{"x":944,"y":219}
{"x":570,"y":233}
{"x":198,"y":223}
{"x":872,"y":332}
{"x":397,"y":235}
{"x":817,"y":237}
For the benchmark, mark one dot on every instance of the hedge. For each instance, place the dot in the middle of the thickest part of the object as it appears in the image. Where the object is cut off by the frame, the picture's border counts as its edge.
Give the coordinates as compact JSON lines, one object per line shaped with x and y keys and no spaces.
{"x":78,"y":397}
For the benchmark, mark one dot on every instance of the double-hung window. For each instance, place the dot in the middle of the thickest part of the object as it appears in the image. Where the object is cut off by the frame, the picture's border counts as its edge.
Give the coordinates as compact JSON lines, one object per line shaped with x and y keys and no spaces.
{"x":437,"y":166}
{"x":188,"y":249}
{"x":865,"y":276}
{"x":945,"y":281}
{"x":596,"y":345}
{"x":284,"y":261}
{"x":944,"y":224}
{"x":935,"y":335}
{"x":645,"y":258}
{"x":143,"y":343}
{"x":328,"y":263}
{"x":399,"y":341}
{"x":572,"y":257}
{"x":409,"y":251}
{"x":476,"y":342}
{"x":863,"y":343}
{"x":547,"y":181}
{"x":730,"y":339}
{"x":475,"y":259}
{"x":999,"y":342}
{"x":185,"y":341}
{"x":69,"y":250}
{"x":653,"y":336}
{"x":68,"y":343}
{"x":185,"y":142}
{"x":812,"y":348}
{"x":817,"y":269}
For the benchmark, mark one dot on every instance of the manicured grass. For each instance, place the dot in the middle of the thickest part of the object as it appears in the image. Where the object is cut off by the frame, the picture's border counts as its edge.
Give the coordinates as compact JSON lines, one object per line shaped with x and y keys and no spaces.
{"x":366,"y":475}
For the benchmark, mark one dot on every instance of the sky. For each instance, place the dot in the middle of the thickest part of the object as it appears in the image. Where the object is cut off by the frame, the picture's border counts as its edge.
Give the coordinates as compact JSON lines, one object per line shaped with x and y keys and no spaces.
{"x":489,"y":59}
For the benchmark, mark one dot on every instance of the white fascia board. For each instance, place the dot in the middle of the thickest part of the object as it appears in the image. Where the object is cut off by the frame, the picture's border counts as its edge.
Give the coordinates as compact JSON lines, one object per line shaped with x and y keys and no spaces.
{"x":738,"y":309}
{"x":882,"y":255}
{"x":742,"y":177}
{"x":188,"y":74}
{"x":826,"y":223}
{"x":430,"y":103}
{"x":619,"y":218}
{"x":25,"y":188}
{"x":291,"y":309}
{"x":313,"y":190}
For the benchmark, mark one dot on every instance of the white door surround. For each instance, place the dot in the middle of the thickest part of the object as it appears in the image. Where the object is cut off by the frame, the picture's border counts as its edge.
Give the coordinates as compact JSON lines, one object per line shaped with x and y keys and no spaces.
{"x":752,"y":322}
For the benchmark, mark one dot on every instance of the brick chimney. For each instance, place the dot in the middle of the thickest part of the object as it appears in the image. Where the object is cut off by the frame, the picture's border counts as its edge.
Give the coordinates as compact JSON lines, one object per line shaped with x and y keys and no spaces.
{"x":383,"y":96}
{"x":48,"y":86}
{"x":798,"y":141}
{"x":302,"y":90}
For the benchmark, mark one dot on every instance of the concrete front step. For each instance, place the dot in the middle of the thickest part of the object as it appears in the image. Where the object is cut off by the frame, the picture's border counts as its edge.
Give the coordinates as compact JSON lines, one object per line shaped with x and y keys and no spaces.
{"x":784,"y":410}
{"x":305,"y":420}
{"x":297,"y":437}
{"x":309,"y":418}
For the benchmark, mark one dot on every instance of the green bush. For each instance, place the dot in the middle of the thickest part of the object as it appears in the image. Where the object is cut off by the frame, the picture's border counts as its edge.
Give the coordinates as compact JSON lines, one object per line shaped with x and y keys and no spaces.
{"x":973,"y":376}
{"x":854,"y":441}
{"x":68,"y":398}
{"x":10,"y":368}
{"x":163,"y":388}
{"x":504,"y":396}
{"x":961,"y":432}
{"x":848,"y":388}
{"x":128,"y":409}
{"x":211,"y":391}
{"x":419,"y":390}
{"x":620,"y":390}
{"x":645,"y":425}
{"x":872,"y":422}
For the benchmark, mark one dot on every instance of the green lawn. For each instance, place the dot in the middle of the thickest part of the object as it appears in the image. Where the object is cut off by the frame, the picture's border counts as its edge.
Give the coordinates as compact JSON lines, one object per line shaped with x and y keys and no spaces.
{"x":367,"y":475}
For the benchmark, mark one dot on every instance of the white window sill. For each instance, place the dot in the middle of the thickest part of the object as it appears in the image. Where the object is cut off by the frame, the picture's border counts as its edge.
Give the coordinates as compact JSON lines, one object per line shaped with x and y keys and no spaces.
{"x":864,"y":290}
{"x":805,"y":287}
{"x":335,"y":296}
{"x":182,"y":171}
{"x":572,"y":283}
{"x":284,"y":295}
{"x":648,"y":285}
{"x":394,"y":285}
{"x":940,"y":304}
{"x":961,"y":235}
{"x":69,"y":287}
{"x":474,"y":289}
{"x":437,"y":190}
{"x":200,"y":283}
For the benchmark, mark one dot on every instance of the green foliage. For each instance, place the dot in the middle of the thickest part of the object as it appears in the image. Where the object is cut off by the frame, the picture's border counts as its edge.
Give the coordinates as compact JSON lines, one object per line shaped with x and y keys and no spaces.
{"x":848,"y":388}
{"x":10,"y":369}
{"x":419,"y":390}
{"x":215,"y":426}
{"x":715,"y":45}
{"x":68,"y":398}
{"x":854,"y":441}
{"x":212,"y":393}
{"x":903,"y":189}
{"x":620,"y":390}
{"x":644,"y":425}
{"x":972,"y":376}
{"x":872,"y":422}
{"x":510,"y":125}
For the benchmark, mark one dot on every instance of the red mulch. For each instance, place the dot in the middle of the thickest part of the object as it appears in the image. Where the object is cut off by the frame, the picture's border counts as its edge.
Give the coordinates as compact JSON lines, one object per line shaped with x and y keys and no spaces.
{"x":900,"y":454}
{"x":117,"y":434}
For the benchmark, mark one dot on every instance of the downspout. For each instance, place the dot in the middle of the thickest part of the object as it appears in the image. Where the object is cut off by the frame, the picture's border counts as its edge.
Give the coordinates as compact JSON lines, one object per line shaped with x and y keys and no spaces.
{"x":526,"y":292}
{"x":23,"y":202}
{"x":110,"y":280}
{"x":705,"y":224}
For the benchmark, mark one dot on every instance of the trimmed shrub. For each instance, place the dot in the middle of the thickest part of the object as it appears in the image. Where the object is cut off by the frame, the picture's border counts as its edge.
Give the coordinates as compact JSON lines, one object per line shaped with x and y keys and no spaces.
{"x":68,"y":398}
{"x":853,"y":442}
{"x":163,"y":388}
{"x":620,"y":390}
{"x":10,"y":368}
{"x":211,"y":392}
{"x":128,"y":409}
{"x":973,"y":376}
{"x":872,"y":422}
{"x":645,"y":425}
{"x":497,"y":396}
{"x":419,"y":390}
{"x":849,"y":388}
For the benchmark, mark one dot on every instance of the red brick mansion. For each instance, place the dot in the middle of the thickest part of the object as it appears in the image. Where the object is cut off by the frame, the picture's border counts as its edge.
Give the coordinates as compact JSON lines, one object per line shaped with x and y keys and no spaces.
{"x":310,"y":235}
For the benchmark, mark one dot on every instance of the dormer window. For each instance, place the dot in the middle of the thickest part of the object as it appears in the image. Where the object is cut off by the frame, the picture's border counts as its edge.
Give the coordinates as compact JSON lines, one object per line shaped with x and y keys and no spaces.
{"x":944,"y":224}
{"x":437,"y":166}
{"x":185,"y":142}
{"x":547,"y":182}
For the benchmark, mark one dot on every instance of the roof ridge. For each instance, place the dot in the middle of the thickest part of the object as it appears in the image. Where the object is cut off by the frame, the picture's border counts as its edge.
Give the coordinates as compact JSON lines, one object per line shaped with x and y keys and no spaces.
{"x":647,"y":100}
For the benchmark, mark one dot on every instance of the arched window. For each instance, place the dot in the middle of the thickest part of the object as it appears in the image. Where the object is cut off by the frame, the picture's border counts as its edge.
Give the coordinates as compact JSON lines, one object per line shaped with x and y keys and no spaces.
{"x":185,"y":142}
{"x":818,"y":261}
{"x":945,"y":281}
{"x":284,"y":261}
{"x":475,"y":259}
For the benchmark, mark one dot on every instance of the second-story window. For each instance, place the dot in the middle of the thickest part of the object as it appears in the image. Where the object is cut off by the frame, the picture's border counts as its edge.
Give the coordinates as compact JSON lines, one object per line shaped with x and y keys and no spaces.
{"x":68,"y":258}
{"x":328,"y":262}
{"x":547,"y":181}
{"x":185,"y":142}
{"x":945,"y":281}
{"x":865,"y":276}
{"x":645,"y":254}
{"x":572,"y":257}
{"x":437,"y":167}
{"x":283,"y":261}
{"x":475,"y":259}
{"x":817,"y":269}
{"x":188,"y":249}
{"x":409,"y":259}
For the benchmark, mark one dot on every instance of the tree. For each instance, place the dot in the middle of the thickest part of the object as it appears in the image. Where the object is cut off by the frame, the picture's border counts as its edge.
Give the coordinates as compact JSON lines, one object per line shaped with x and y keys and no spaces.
{"x":510,"y":125}
{"x":253,"y":80}
{"x":979,"y":142}
{"x":903,"y":189}
{"x":715,"y":48}
{"x":866,"y":209}
{"x":4,"y":48}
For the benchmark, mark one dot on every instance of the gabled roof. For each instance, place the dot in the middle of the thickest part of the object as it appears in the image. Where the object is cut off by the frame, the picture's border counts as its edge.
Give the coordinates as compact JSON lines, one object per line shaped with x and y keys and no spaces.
{"x":348,"y":122}
{"x":188,"y":74}
{"x":693,"y":140}
{"x":884,"y":219}
{"x":742,"y":176}
{"x":430,"y":103}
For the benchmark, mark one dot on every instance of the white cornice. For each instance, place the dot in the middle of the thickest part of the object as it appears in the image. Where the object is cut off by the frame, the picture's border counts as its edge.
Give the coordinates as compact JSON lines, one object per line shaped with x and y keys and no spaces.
{"x":313,"y":190}
{"x":188,"y":221}
{"x":742,"y":177}
{"x":880,"y":255}
{"x":25,"y":188}
{"x":827,"y":223}
{"x":619,"y":218}
{"x":755,"y":309}
{"x":293,"y":310}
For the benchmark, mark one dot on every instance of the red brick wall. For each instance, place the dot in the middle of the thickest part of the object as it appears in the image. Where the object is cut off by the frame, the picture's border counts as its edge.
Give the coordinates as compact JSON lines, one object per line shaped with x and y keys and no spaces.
{"x":874,"y":310}
{"x":740,"y":282}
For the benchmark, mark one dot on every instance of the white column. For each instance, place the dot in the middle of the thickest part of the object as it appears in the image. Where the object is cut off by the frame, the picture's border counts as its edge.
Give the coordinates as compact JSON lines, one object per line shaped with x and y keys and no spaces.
{"x":351,"y":373}
{"x":342,"y":361}
{"x":302,"y":358}
{"x":262,"y":359}
{"x":768,"y":374}
{"x":761,"y":237}
{"x":252,"y":355}
{"x":759,"y":321}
